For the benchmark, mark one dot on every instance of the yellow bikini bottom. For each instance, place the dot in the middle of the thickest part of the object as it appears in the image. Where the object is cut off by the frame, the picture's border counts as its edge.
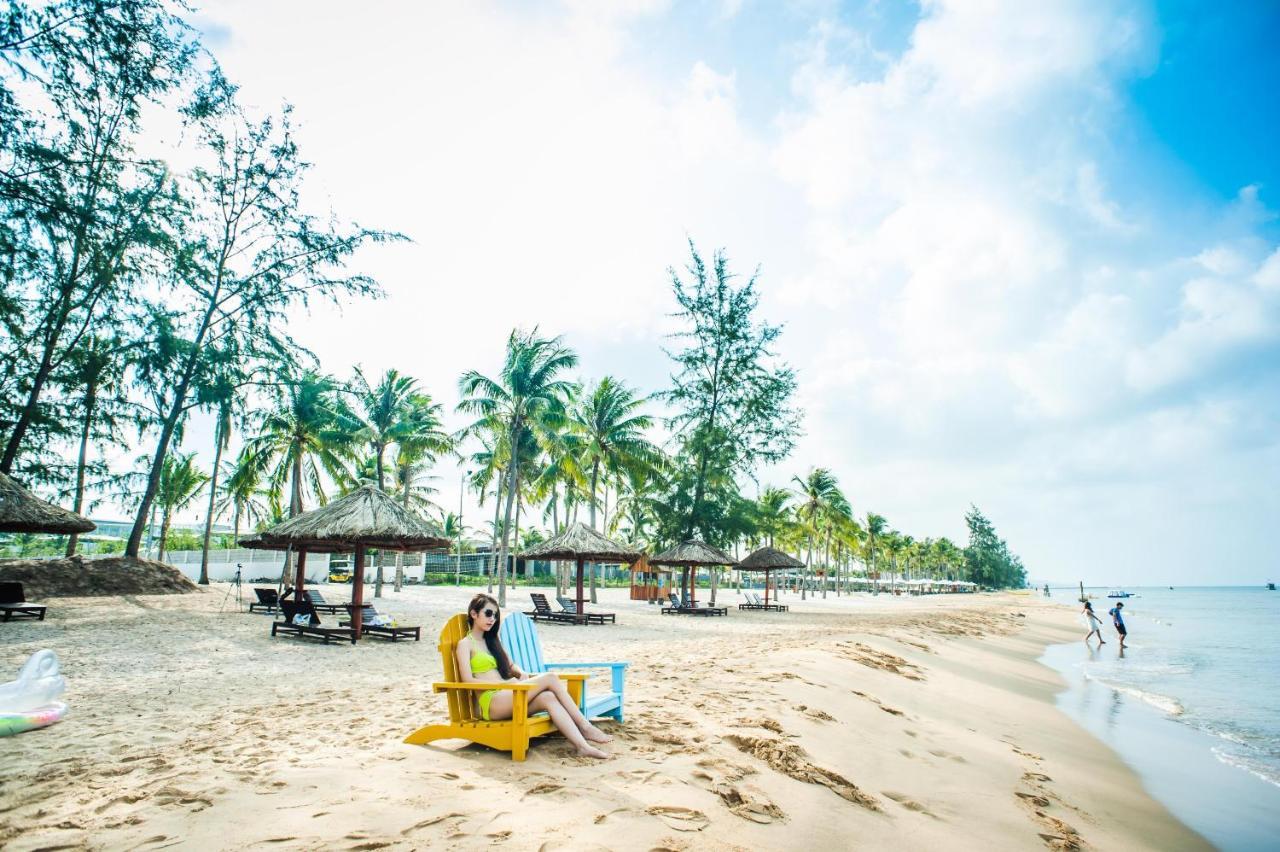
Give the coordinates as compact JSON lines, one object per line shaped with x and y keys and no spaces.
{"x":483,"y":701}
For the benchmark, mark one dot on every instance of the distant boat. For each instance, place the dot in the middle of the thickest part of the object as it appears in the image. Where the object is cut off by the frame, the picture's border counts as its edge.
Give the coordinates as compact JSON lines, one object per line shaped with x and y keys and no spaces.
{"x":1117,"y":593}
{"x":1271,"y":586}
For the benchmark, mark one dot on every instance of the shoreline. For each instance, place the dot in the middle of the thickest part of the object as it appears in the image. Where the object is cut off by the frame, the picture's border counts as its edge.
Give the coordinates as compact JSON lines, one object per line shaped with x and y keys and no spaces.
{"x":919,"y":722}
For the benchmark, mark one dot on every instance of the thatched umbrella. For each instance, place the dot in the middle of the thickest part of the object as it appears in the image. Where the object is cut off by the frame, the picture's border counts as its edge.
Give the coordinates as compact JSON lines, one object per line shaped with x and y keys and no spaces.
{"x":581,"y":544}
{"x":367,"y":517}
{"x":23,"y":512}
{"x":767,"y":559}
{"x":689,"y":555}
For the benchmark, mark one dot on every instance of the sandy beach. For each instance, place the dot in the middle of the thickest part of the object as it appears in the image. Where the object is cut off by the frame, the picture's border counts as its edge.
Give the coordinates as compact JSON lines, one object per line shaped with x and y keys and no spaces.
{"x":853,"y":722}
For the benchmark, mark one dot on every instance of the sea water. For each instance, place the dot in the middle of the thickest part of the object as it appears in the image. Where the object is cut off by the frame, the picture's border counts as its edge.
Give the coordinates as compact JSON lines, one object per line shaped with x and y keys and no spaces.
{"x":1192,"y":703}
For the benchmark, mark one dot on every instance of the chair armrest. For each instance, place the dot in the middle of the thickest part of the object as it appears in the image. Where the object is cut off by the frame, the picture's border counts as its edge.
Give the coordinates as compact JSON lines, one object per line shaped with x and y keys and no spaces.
{"x":617,"y":671}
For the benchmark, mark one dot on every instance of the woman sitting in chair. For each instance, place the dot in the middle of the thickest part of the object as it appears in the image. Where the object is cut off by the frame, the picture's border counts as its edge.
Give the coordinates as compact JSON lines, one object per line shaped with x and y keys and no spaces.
{"x":482,"y":659}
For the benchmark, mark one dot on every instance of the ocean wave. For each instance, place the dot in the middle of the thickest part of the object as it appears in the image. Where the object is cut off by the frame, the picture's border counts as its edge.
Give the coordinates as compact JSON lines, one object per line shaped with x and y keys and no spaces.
{"x":1259,"y":770}
{"x":1164,"y":703}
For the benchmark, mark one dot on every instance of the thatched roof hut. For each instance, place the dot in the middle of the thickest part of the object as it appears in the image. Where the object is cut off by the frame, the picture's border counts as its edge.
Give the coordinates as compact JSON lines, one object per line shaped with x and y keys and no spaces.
{"x":367,"y":517}
{"x":580,"y":542}
{"x":693,"y":552}
{"x":768,"y":559}
{"x":23,"y":512}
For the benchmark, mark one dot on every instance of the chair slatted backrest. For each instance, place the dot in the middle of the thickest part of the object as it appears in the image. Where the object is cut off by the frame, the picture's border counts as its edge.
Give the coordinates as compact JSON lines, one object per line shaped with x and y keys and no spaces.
{"x":568,"y":606}
{"x":12,"y":593}
{"x":675,"y":601}
{"x":540,"y":603}
{"x":461,"y":703}
{"x":315,"y":597}
{"x":267,"y":596}
{"x":520,"y":639}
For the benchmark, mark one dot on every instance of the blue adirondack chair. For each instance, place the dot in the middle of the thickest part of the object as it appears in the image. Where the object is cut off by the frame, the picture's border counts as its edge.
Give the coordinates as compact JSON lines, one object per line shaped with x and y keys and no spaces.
{"x":519,"y":636}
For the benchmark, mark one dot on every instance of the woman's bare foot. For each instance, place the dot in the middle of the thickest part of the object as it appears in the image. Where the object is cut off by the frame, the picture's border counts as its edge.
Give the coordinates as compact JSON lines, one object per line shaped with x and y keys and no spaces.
{"x":595,"y":735}
{"x":591,"y":751}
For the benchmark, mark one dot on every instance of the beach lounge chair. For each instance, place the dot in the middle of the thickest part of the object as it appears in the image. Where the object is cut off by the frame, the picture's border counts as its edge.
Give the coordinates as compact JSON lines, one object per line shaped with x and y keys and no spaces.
{"x":520,"y":637}
{"x":570,"y":608}
{"x":313,"y":630}
{"x":753,"y":601}
{"x":321,"y":605}
{"x":542,"y":610}
{"x":512,"y":734}
{"x":386,"y":631}
{"x":756,"y":603}
{"x":14,"y":603}
{"x":268,"y":600}
{"x":679,"y":607}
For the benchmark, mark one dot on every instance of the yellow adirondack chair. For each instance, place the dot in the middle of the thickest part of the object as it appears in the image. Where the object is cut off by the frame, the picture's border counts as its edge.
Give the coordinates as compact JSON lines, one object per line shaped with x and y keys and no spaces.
{"x":512,"y":734}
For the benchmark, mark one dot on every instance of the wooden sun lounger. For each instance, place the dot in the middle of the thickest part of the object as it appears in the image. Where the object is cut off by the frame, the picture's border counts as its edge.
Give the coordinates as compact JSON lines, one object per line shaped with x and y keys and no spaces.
{"x":542,"y":611}
{"x":14,"y":603}
{"x":385,"y":631}
{"x":679,"y":608}
{"x":570,"y":608}
{"x":291,"y":608}
{"x":321,"y":605}
{"x":268,"y":600}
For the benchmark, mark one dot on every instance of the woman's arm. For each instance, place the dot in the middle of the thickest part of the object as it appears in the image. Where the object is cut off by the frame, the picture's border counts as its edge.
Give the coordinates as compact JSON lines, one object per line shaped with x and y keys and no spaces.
{"x":462,"y":653}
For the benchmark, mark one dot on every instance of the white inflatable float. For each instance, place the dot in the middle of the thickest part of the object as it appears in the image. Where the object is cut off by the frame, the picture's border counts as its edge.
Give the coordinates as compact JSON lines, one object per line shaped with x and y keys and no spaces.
{"x":31,"y":701}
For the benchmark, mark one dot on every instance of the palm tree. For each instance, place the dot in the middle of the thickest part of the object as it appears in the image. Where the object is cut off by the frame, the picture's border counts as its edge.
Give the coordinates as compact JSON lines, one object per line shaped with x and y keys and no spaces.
{"x":180,"y":484}
{"x":877,"y":529}
{"x":816,"y":492}
{"x":773,"y":514}
{"x":612,"y":429}
{"x":414,"y":458}
{"x":527,"y":390}
{"x":243,"y":493}
{"x":307,"y":434}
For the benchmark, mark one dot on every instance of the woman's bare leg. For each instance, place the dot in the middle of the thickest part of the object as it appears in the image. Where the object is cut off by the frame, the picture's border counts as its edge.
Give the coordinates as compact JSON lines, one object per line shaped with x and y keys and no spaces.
{"x":553,"y":684}
{"x":565,"y":723}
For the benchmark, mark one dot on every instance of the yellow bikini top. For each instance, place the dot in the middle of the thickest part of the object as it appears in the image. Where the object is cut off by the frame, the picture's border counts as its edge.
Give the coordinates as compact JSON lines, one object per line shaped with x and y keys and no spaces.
{"x":483,"y":661}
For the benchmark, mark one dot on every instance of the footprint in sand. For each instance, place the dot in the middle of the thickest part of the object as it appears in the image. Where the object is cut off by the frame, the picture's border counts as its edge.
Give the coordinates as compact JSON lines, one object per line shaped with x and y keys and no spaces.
{"x":790,"y":760}
{"x":681,"y":819}
{"x":937,"y":752}
{"x":908,"y":803}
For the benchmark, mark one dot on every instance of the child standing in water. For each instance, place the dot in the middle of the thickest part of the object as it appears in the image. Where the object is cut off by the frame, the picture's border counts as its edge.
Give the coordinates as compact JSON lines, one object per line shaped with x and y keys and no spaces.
{"x":1093,"y":623}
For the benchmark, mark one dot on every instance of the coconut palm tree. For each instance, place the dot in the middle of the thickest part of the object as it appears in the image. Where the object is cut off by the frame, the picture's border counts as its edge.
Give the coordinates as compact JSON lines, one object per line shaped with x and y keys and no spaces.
{"x":527,"y":390}
{"x":222,"y":396}
{"x":816,"y":492}
{"x":876,"y":529}
{"x":180,"y":484}
{"x":414,"y":458}
{"x":244,"y":495}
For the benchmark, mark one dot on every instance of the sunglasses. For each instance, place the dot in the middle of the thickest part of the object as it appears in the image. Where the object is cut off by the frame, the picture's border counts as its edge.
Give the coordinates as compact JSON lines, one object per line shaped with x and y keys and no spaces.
{"x":489,"y":613}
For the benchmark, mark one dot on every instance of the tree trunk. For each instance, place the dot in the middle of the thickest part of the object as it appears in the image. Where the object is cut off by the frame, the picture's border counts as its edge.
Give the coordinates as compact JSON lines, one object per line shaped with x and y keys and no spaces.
{"x":90,"y":402}
{"x":218,"y":440}
{"x":164,"y":533}
{"x":513,"y":473}
{"x":491,"y":565}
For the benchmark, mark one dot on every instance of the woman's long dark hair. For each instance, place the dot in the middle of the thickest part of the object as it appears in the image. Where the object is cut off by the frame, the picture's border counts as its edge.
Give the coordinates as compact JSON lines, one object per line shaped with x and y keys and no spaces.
{"x":491,"y":640}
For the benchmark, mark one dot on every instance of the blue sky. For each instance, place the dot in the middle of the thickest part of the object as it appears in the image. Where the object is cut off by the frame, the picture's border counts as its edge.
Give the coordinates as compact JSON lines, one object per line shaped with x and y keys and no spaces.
{"x":1026,"y":254}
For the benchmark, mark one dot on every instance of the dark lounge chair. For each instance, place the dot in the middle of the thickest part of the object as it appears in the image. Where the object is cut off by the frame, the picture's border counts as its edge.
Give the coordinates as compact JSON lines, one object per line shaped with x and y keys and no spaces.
{"x":268,"y":600}
{"x":386,"y":631}
{"x":321,"y":605}
{"x":685,"y":608}
{"x":570,"y":608}
{"x":542,"y":610}
{"x":291,"y":608}
{"x":14,"y":604}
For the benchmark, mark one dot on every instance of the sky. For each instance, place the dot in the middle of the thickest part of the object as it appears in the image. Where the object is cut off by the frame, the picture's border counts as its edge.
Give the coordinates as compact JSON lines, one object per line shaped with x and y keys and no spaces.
{"x":1026,"y":255}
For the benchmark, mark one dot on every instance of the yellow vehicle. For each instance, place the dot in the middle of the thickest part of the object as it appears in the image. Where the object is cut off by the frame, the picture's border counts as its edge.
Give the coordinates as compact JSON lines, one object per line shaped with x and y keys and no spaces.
{"x":339,"y":574}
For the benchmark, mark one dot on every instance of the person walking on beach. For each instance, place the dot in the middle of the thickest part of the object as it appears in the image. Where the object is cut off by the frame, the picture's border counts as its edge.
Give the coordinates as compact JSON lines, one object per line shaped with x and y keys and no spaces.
{"x":482,"y":659}
{"x":1093,"y":623}
{"x":1117,"y":618}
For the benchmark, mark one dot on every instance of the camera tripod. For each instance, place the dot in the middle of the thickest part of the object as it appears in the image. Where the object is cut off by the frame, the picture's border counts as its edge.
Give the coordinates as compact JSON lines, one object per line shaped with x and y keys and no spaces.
{"x":238,"y":586}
